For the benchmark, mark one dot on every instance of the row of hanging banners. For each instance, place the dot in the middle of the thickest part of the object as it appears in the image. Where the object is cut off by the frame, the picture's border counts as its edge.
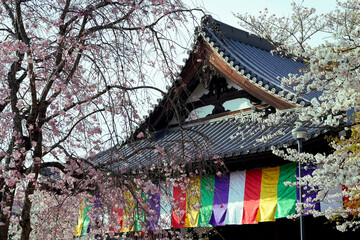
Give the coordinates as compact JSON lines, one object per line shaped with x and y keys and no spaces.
{"x":243,"y":197}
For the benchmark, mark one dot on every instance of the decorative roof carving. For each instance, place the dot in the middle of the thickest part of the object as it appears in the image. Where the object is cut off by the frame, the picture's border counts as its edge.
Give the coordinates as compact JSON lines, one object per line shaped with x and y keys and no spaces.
{"x":206,"y":74}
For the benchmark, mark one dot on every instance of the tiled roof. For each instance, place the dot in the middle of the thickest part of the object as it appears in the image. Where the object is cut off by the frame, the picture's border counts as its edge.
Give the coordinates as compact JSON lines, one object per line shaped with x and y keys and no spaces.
{"x":250,"y":56}
{"x":226,"y":137}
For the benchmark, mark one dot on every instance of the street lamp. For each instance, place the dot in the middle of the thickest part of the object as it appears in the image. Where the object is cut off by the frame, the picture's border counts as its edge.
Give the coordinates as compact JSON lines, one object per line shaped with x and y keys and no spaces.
{"x":300,"y":134}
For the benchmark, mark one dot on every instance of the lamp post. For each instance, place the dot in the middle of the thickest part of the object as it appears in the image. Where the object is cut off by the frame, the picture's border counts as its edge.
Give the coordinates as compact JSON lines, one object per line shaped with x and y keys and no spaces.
{"x":300,"y":134}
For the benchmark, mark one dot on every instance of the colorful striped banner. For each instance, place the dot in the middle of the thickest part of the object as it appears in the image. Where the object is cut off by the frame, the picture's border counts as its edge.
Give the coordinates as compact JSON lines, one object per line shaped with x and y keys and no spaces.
{"x":165,"y":206}
{"x":350,"y":204}
{"x":268,"y":195}
{"x":221,"y":195}
{"x":129,"y":213}
{"x":82,"y":228}
{"x":234,"y":214}
{"x":286,"y":195}
{"x":153,"y":218}
{"x":192,"y":202}
{"x":335,"y":203}
{"x":308,"y":194}
{"x":179,"y":209}
{"x":244,"y":197}
{"x":140,"y":214}
{"x":207,"y":186}
{"x":119,"y":219}
{"x":252,"y":196}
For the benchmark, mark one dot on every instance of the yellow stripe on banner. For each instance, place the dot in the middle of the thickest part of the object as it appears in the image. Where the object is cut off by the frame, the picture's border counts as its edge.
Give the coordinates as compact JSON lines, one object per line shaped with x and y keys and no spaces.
{"x":192,"y":202}
{"x":80,"y":220}
{"x":268,"y":194}
{"x":129,"y":213}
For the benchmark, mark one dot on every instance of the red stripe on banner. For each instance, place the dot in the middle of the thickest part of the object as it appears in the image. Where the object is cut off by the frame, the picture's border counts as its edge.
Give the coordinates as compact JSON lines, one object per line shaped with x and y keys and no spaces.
{"x":252,"y":196}
{"x":350,"y":205}
{"x":179,"y":208}
{"x":120,"y":214}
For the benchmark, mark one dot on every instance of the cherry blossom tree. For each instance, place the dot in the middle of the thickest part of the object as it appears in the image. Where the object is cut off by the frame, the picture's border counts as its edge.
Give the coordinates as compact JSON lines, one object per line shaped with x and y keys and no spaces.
{"x":75,"y":75}
{"x":333,"y":69}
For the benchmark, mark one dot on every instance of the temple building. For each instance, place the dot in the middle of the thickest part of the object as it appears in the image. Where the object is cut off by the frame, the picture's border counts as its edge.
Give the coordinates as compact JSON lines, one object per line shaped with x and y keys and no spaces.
{"x":230,"y":77}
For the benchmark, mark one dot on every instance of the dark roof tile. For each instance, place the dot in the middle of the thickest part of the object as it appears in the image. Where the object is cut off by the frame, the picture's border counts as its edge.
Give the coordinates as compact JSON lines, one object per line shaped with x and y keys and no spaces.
{"x":226,"y":137}
{"x":253,"y":56}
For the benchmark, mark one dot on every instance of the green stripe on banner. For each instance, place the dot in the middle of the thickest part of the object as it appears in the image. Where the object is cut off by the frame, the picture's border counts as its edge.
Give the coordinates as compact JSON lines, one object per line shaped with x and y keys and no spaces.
{"x":206,"y":200}
{"x":86,"y":219}
{"x":140,"y":214}
{"x":286,"y":195}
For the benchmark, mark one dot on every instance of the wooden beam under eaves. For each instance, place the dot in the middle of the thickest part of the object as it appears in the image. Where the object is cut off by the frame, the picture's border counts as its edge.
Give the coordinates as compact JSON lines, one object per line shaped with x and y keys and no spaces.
{"x":222,"y":66}
{"x":159,"y":118}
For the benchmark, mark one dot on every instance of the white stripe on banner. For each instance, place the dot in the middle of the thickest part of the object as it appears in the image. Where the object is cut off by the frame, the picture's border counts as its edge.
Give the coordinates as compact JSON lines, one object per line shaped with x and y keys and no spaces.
{"x":331,"y":200}
{"x":165,"y":207}
{"x":234,"y":212}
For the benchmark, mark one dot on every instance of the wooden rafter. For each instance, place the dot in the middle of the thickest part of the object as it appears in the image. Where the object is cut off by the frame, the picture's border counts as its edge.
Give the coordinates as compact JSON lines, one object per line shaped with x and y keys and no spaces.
{"x":219,"y":63}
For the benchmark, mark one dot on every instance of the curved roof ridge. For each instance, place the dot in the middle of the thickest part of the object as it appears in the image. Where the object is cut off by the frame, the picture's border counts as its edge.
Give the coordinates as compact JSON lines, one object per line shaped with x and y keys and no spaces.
{"x":238,"y":47}
{"x":236,"y":34}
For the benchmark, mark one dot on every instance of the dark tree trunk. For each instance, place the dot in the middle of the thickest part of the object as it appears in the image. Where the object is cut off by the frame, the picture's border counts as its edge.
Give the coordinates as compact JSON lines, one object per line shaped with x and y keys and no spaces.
{"x":25,"y":222}
{"x":8,"y":197}
{"x":26,"y":210}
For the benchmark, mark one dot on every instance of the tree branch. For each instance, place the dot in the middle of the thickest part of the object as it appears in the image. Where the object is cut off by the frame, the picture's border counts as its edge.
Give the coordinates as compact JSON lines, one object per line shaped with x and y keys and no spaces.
{"x":70,"y":131}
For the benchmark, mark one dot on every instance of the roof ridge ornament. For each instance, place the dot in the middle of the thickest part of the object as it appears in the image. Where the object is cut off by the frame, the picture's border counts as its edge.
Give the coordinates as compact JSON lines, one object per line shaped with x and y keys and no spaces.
{"x":206,"y":74}
{"x":209,"y":23}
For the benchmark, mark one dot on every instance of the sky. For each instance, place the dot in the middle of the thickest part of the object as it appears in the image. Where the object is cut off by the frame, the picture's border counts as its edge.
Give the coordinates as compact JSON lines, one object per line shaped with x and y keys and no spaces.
{"x":222,"y":9}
